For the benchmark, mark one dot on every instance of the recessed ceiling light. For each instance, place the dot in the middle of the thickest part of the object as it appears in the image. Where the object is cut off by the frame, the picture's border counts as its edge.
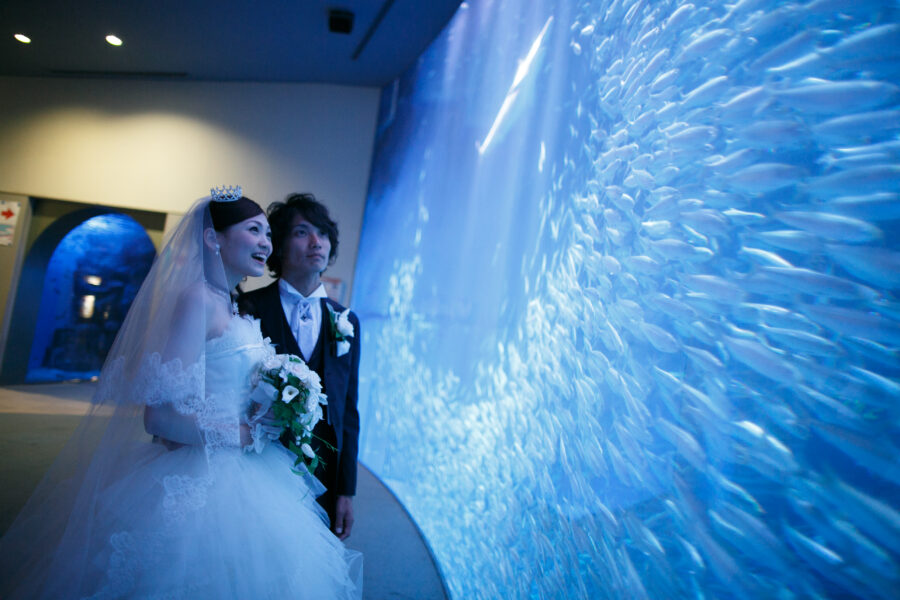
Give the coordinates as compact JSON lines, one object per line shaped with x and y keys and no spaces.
{"x":23,"y":38}
{"x":113,"y":40}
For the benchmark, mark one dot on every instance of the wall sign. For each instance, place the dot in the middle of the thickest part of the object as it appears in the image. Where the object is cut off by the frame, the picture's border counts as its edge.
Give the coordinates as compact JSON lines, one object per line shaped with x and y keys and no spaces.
{"x":9,"y":214}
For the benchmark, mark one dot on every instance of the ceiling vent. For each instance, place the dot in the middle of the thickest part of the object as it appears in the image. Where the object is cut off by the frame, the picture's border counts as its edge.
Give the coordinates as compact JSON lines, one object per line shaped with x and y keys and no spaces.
{"x":340,"y":21}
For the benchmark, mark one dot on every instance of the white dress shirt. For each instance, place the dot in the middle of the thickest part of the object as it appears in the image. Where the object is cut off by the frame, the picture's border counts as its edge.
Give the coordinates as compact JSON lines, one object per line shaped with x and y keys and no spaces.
{"x":305,"y":330}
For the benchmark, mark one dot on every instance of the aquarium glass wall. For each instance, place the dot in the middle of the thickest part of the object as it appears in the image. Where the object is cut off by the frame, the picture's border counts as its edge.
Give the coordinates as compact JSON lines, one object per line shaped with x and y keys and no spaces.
{"x":91,"y":279}
{"x":628,"y":284}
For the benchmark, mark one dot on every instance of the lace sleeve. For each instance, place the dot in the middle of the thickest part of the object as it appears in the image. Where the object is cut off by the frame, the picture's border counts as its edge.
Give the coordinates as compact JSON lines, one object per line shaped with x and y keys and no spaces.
{"x":177,"y":408}
{"x":169,"y":382}
{"x":155,"y":383}
{"x":172,"y":396}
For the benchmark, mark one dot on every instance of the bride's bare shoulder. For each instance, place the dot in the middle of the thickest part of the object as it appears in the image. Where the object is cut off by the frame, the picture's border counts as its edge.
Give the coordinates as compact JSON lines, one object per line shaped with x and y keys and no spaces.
{"x":195,"y":296}
{"x":198,"y":299}
{"x":201,"y":303}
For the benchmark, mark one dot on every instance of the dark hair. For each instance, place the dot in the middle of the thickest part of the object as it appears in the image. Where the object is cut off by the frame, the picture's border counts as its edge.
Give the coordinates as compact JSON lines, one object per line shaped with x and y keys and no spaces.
{"x":226,"y":214}
{"x":281,"y":217}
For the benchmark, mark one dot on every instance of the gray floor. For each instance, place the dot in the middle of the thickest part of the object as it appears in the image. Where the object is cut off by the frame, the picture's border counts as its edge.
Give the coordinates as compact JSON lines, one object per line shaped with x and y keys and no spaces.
{"x":36,"y":420}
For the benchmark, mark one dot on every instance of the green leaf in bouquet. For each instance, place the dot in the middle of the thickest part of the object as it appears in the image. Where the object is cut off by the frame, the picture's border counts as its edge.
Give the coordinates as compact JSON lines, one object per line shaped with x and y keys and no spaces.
{"x":296,"y":450}
{"x":324,"y":442}
{"x":282,"y":412}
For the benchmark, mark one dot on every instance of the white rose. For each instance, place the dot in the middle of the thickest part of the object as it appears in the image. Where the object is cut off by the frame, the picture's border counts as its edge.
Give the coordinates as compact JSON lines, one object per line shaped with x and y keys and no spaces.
{"x":307,"y":450}
{"x":311,"y":403}
{"x":313,"y":382}
{"x":310,"y":380}
{"x":343,"y":324}
{"x":271,"y":362}
{"x":289,"y":393}
{"x":343,"y":347}
{"x":308,"y":420}
{"x":280,"y":363}
{"x":298,"y":368}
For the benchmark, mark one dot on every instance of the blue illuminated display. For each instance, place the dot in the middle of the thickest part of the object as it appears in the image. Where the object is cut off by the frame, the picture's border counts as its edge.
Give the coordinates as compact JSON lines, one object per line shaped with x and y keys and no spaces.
{"x":628,"y":284}
{"x":91,"y":279}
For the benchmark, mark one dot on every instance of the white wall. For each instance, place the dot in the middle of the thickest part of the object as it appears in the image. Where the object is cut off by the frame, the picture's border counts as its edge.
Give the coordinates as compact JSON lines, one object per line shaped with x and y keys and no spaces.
{"x":160,"y":145}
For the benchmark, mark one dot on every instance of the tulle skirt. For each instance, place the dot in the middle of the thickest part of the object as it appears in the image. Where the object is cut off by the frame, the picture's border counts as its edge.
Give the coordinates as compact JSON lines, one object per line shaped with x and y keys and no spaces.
{"x":181,"y":524}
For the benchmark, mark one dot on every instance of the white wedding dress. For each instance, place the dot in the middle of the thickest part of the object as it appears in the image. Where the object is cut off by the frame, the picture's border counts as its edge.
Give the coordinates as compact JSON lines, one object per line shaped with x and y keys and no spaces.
{"x":212,"y":521}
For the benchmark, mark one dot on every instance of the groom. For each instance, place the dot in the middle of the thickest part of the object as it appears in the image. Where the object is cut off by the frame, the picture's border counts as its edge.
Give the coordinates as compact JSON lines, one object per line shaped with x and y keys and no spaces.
{"x":296,"y":315}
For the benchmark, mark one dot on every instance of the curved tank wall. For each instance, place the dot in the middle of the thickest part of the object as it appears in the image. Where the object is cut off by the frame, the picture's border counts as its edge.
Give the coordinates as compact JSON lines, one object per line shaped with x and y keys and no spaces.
{"x":628,"y":287}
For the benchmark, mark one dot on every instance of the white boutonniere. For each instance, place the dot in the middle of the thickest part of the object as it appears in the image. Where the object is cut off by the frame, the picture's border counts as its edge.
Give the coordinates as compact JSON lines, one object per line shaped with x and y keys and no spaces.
{"x":341,"y":330}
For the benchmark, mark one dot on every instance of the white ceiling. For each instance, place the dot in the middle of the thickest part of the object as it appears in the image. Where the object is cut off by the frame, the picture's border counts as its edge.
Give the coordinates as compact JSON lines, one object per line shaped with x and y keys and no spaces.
{"x":219,"y":40}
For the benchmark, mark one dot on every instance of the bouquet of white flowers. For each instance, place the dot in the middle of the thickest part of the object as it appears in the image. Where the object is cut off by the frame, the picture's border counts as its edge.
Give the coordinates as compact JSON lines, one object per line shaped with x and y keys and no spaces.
{"x":291,"y":393}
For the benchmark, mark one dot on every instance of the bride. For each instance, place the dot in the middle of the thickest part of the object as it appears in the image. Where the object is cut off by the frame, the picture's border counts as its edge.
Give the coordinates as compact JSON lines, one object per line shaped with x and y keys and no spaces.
{"x":203,"y":508}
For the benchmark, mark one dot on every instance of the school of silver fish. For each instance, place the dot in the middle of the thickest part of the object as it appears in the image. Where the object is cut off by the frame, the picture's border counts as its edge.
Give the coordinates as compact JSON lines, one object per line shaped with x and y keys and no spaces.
{"x":698,"y":395}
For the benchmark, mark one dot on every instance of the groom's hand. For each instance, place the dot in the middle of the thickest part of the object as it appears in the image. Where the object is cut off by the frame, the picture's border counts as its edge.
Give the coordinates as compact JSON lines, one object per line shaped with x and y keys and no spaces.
{"x":343,"y":516}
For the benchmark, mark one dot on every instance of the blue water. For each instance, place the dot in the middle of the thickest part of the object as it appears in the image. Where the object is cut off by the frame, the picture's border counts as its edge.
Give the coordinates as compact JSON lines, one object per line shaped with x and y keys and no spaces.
{"x":106,"y":259}
{"x":628,"y":283}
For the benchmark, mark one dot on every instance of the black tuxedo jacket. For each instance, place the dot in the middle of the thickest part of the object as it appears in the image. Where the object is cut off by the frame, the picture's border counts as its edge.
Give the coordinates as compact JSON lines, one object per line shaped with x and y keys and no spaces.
{"x":339,"y":374}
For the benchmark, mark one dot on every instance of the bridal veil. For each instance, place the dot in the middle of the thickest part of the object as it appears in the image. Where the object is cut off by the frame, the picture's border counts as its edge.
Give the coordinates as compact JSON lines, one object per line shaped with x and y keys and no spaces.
{"x":157,"y":360}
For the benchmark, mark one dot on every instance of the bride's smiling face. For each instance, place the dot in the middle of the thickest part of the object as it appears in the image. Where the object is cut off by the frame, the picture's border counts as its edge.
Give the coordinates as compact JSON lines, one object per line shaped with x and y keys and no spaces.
{"x":245,"y":246}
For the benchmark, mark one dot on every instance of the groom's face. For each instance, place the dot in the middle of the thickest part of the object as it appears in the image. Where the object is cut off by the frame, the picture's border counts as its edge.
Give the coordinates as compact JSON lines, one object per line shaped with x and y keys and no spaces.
{"x":306,"y":249}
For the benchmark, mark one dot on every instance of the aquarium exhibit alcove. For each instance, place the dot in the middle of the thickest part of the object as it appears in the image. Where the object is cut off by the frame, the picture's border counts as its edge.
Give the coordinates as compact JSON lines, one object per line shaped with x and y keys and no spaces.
{"x":79,"y":277}
{"x":628,"y":284}
{"x":92,"y":277}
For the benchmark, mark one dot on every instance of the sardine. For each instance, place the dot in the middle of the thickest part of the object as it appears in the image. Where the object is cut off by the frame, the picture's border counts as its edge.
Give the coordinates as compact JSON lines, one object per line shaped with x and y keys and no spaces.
{"x":859,"y":127}
{"x":763,"y":360}
{"x":706,"y":93}
{"x":853,"y":322}
{"x":877,"y":266}
{"x":704,"y":43}
{"x":765,"y":177}
{"x":830,"y":226}
{"x":859,"y":181}
{"x":836,"y":97}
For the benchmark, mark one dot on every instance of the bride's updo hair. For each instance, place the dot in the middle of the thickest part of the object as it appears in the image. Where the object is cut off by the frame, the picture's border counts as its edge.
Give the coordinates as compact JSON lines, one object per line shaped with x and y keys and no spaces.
{"x":227,"y":213}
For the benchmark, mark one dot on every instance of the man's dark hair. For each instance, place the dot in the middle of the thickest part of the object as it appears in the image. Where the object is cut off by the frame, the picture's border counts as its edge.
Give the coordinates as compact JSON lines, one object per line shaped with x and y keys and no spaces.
{"x":281,"y":217}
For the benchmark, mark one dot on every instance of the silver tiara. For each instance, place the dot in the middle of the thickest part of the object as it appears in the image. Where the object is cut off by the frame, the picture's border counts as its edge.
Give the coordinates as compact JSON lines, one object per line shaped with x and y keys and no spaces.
{"x":226,"y":193}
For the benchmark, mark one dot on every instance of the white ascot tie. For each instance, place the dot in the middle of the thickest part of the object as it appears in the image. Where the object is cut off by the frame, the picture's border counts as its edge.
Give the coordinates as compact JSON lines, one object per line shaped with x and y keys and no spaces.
{"x":303,"y":315}
{"x":301,"y":312}
{"x":302,"y":326}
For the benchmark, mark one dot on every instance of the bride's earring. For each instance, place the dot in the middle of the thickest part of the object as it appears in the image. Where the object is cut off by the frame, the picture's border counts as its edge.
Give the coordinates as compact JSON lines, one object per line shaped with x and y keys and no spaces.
{"x":218,"y":247}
